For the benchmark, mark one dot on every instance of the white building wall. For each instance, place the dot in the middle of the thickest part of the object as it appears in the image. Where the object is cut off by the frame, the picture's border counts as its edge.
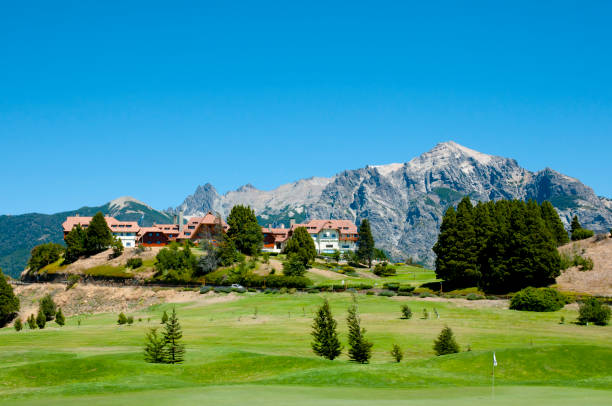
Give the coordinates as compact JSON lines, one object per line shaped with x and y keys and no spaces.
{"x":127,"y":239}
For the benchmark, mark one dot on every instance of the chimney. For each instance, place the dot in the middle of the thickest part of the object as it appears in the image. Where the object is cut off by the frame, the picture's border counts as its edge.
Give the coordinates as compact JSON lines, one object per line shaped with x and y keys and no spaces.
{"x":175,"y":221}
{"x":181,"y":221}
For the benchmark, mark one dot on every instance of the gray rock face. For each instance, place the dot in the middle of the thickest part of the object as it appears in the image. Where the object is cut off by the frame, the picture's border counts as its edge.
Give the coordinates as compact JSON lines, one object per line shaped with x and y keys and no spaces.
{"x":405,"y":202}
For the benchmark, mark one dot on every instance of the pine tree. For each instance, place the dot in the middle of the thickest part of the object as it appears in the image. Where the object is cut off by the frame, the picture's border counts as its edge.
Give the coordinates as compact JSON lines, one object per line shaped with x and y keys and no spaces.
{"x":553,"y":223}
{"x":360,"y":349}
{"x":99,"y":236}
{"x":75,"y":244}
{"x":575,"y":226}
{"x":406,"y":312}
{"x":301,"y":245}
{"x":397,"y":353}
{"x":446,"y":344}
{"x":41,"y":319}
{"x":365,"y":243}
{"x":121,"y":319}
{"x":174,"y":350}
{"x":18,"y":325}
{"x":325,"y":337}
{"x":31,"y":322}
{"x":9,"y":303}
{"x":154,"y":350}
{"x":244,"y":230}
{"x":164,"y":318}
{"x":59,"y":317}
{"x":48,"y":307}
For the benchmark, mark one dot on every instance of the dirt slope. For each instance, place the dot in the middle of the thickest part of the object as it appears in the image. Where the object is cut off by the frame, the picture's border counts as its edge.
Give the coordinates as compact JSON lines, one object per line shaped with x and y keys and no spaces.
{"x":597,"y":281}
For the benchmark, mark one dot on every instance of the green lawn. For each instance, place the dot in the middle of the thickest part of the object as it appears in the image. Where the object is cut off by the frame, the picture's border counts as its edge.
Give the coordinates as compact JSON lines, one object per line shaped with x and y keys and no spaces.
{"x":233,"y":358}
{"x":407,"y":275}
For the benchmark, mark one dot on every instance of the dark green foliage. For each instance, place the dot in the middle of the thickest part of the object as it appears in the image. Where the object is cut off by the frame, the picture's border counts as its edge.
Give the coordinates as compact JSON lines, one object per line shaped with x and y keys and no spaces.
{"x":18,"y":325}
{"x":301,"y":245}
{"x":365,"y":243}
{"x":75,"y":244}
{"x":227,"y":252}
{"x":41,"y":320}
{"x":117,"y":247}
{"x":130,"y":320}
{"x":9,"y":303}
{"x":583,"y":264}
{"x":577,"y":232}
{"x":32,"y":322}
{"x":59,"y":318}
{"x":121,"y":319}
{"x":164,"y":318}
{"x":44,"y":254}
{"x":294,"y":266}
{"x":406,"y":312}
{"x":553,"y":223}
{"x":445,"y":343}
{"x":538,"y":300}
{"x":48,"y":307}
{"x":380,"y":255}
{"x":508,"y":248}
{"x":99,"y":235}
{"x":175,"y":265}
{"x":592,"y":310}
{"x":360,"y":349}
{"x":134,"y":263}
{"x":174,"y":350}
{"x":244,"y":231}
{"x":386,"y":293}
{"x":397,"y":353}
{"x":325,"y":337}
{"x":384,"y":269}
{"x":154,"y":350}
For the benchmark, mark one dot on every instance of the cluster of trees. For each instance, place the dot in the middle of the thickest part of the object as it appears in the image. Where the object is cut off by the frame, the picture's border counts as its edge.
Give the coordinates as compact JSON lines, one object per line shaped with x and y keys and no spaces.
{"x":577,"y":232}
{"x":500,"y":246}
{"x":47,"y":311}
{"x":166,"y":348}
{"x":326,"y":343}
{"x":175,"y":263}
{"x":44,"y":254}
{"x":96,"y":238}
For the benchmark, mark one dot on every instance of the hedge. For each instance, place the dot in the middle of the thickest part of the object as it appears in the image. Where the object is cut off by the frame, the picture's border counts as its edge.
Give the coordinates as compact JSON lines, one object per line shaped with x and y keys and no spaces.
{"x":538,"y":300}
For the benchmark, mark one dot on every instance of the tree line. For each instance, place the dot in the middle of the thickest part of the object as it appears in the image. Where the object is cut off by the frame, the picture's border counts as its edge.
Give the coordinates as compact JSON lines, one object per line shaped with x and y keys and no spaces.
{"x":501,"y":246}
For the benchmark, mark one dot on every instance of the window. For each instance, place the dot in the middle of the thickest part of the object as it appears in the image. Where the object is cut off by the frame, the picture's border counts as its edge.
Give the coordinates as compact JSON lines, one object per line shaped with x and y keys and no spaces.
{"x":191,"y":227}
{"x":329,"y":246}
{"x":128,"y":244}
{"x":187,"y":233}
{"x":345,"y":246}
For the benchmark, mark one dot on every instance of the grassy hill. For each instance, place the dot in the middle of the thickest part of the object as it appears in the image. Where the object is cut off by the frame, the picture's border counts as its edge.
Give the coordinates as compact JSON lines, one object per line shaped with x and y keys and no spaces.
{"x":234,"y":356}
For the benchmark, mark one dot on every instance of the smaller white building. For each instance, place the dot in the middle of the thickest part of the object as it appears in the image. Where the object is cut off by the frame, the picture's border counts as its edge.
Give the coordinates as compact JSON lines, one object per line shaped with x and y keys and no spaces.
{"x":330,"y":236}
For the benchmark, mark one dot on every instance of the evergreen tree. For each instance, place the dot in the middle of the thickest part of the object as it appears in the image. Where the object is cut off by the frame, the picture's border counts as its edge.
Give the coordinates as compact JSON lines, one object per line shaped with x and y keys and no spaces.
{"x":48,"y":307}
{"x":174,"y":350}
{"x":244,"y":230}
{"x":325,"y":337}
{"x":227,"y":251}
{"x":397,"y":353}
{"x":9,"y":303}
{"x":444,"y":247}
{"x":164,"y":318}
{"x":575,"y":225}
{"x":406,"y":312}
{"x":121,"y":319}
{"x":360,"y":349}
{"x":579,"y":233}
{"x":75,"y":244}
{"x":41,"y":319}
{"x":31,"y":321}
{"x":301,"y":245}
{"x":365,"y":243}
{"x":154,"y":350}
{"x":553,"y":223}
{"x":294,"y":266}
{"x":18,"y":325}
{"x":98,"y":236}
{"x":446,"y":344}
{"x":43,"y":255}
{"x":59,"y":317}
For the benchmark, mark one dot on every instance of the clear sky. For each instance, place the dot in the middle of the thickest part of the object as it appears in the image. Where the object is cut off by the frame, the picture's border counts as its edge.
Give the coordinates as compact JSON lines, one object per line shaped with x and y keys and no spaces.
{"x":104,"y":99}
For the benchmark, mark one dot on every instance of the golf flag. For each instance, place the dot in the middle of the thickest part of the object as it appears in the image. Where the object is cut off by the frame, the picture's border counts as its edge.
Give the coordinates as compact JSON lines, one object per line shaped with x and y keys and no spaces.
{"x":494,"y":359}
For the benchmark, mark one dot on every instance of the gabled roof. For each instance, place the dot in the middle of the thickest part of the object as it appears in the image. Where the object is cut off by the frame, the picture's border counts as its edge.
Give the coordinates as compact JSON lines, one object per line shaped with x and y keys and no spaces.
{"x":114,"y":224}
{"x":315,"y":226}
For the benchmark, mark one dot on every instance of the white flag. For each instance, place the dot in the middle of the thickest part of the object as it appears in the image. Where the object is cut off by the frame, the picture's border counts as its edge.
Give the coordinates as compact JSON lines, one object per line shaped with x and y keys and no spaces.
{"x":494,"y":359}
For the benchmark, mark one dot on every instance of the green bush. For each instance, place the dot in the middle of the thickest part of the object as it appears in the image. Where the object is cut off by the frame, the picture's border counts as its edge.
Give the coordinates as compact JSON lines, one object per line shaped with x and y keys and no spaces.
{"x":223,"y":289}
{"x":406,"y":288}
{"x":474,"y":296}
{"x":583,"y":264}
{"x":370,"y":293}
{"x":386,"y":293}
{"x":48,"y":308}
{"x":205,"y":289}
{"x":446,"y":344}
{"x":538,"y":300}
{"x":121,"y":319}
{"x":44,"y":254}
{"x":384,"y":269}
{"x":581,"y":234}
{"x":406,"y":312}
{"x":394,"y":286}
{"x":134,"y":263}
{"x":593,"y":311}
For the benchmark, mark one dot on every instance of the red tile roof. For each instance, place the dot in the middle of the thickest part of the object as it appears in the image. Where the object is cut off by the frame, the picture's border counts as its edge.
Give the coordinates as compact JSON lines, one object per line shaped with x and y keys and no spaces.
{"x":114,"y":224}
{"x":315,"y":226}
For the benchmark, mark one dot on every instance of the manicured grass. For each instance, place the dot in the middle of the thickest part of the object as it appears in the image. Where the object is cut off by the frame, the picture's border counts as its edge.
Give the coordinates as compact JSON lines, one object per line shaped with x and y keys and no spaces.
{"x":406,"y":275}
{"x":110,"y":271}
{"x":235,"y":358}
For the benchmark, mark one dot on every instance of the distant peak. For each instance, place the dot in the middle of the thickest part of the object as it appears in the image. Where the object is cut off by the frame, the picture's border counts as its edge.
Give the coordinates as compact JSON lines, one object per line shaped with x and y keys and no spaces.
{"x":448,"y":147}
{"x":123,"y":201}
{"x":246,"y":188}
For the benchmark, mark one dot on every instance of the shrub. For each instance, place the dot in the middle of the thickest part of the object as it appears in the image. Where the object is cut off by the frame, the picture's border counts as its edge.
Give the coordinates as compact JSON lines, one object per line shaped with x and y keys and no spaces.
{"x":9,"y":303}
{"x":426,"y":294}
{"x":384,"y":269}
{"x":41,"y":319}
{"x":348,"y":269}
{"x":446,"y":344}
{"x":406,"y":288}
{"x":134,"y":263}
{"x":18,"y":325}
{"x":205,"y":289}
{"x":59,"y":317}
{"x":223,"y":289}
{"x":538,"y":300}
{"x":583,"y":264}
{"x":117,"y":247}
{"x":594,"y":311}
{"x":474,"y":296}
{"x":581,"y":234}
{"x":72,"y":280}
{"x":121,"y":319}
{"x":394,"y":286}
{"x":130,"y":320}
{"x":294,"y":266}
{"x":406,"y":312}
{"x":47,"y":306}
{"x":44,"y":254}
{"x":397,"y":353}
{"x":370,"y":293}
{"x":386,"y":293}
{"x":31,"y":322}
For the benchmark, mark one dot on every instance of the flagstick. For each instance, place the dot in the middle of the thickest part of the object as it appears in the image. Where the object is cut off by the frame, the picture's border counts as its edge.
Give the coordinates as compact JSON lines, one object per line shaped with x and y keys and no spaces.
{"x":493,"y":382}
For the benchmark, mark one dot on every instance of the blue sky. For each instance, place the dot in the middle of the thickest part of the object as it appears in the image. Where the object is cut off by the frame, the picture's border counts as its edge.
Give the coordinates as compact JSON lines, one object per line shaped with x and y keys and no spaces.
{"x":104,"y":99}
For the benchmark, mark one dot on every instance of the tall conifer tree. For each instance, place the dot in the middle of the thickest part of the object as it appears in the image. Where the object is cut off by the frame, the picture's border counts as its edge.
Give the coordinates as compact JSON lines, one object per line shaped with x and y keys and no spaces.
{"x":365,"y":243}
{"x":325,"y":337}
{"x":174,"y":349}
{"x":9,"y":303}
{"x":99,"y":235}
{"x":553,"y":223}
{"x":360,"y":349}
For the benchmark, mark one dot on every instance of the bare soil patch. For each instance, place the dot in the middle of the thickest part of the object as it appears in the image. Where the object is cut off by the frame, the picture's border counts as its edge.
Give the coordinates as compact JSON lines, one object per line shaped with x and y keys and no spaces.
{"x":598,"y":281}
